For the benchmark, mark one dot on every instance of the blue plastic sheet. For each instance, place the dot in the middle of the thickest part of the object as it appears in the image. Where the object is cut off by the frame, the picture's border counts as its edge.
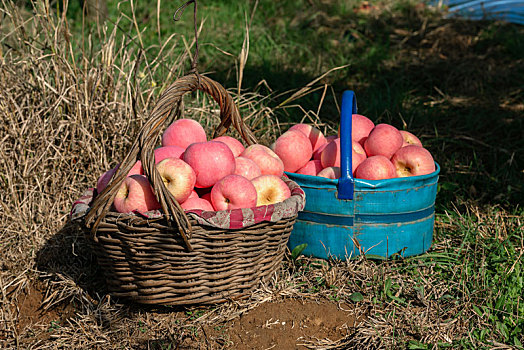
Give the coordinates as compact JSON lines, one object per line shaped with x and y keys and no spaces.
{"x":503,"y":10}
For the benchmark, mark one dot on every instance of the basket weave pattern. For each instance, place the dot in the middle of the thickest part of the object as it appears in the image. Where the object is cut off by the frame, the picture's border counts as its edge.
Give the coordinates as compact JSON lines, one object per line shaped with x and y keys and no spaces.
{"x":149,"y":264}
{"x":173,"y":259}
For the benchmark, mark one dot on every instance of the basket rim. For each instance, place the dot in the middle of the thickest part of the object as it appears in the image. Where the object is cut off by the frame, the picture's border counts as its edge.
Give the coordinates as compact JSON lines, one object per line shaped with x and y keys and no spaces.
{"x":362,"y":184}
{"x":290,"y":207}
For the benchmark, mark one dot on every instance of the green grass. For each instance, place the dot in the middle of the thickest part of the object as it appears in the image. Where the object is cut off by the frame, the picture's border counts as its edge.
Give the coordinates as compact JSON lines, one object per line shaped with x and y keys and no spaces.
{"x":450,"y":95}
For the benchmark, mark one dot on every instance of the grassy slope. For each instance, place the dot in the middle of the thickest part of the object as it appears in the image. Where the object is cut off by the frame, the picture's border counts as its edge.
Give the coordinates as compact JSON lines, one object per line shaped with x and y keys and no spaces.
{"x":456,"y":84}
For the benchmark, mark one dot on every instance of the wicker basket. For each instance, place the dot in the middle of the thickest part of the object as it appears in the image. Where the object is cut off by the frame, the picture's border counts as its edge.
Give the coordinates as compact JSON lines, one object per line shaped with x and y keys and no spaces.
{"x":175,"y":259}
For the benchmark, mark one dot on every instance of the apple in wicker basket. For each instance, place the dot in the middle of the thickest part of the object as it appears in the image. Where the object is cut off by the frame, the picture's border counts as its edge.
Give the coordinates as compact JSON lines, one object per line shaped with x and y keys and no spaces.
{"x":178,"y":177}
{"x":233,"y":192}
{"x":135,"y":193}
{"x":211,"y":161}
{"x":183,"y":132}
{"x":267,"y":160}
{"x":193,"y":195}
{"x":412,"y":161}
{"x":104,"y":179}
{"x":197,"y":203}
{"x":234,"y":145}
{"x":247,"y":168}
{"x":162,"y":153}
{"x":207,"y":196}
{"x":270,"y":189}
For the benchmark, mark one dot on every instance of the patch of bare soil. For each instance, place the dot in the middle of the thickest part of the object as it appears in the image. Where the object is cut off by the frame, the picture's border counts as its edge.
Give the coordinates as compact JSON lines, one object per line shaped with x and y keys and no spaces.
{"x":30,"y":314}
{"x":285,"y":325}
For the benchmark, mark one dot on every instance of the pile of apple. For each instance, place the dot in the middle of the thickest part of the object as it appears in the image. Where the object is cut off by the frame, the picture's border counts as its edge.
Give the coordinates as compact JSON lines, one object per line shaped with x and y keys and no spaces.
{"x":378,"y":151}
{"x":219,"y":174}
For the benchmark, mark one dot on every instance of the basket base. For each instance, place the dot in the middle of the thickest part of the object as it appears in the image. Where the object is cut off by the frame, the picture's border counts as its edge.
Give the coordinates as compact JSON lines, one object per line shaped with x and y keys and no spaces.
{"x":377,"y":240}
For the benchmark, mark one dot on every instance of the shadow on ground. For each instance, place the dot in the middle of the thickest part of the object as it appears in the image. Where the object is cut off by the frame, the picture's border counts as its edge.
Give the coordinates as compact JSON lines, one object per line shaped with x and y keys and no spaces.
{"x":69,"y":255}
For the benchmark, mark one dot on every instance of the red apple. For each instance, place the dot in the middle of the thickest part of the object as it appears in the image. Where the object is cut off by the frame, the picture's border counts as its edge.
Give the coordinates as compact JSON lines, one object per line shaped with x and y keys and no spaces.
{"x":413,"y":160}
{"x":376,"y":168}
{"x":331,"y":154}
{"x":410,"y":139}
{"x":246,"y":167}
{"x":211,"y":161}
{"x":360,"y":128}
{"x":314,"y":135}
{"x":162,"y":153}
{"x":383,"y":140}
{"x":197,"y":203}
{"x":178,"y":177}
{"x":207,"y":197}
{"x":332,"y":172}
{"x":183,"y":132}
{"x":236,"y":146}
{"x":233,"y":192}
{"x":318,"y":153}
{"x":294,"y":148}
{"x":330,"y":157}
{"x":267,"y":160}
{"x":358,"y":155}
{"x":136,"y":169}
{"x":270,"y":189}
{"x":311,"y":168}
{"x":135,"y":193}
{"x":103,"y":180}
{"x":193,"y":195}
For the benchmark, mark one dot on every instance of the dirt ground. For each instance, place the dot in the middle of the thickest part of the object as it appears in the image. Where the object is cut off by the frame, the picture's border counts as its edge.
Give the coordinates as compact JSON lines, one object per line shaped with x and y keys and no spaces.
{"x":285,"y":324}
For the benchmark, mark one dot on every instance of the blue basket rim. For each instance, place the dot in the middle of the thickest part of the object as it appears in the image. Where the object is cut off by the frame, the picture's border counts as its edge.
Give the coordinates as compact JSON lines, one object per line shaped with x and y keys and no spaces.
{"x":368,"y":183}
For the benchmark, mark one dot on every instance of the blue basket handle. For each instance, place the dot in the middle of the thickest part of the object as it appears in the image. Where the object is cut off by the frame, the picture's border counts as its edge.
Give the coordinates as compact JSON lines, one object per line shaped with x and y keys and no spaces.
{"x":346,"y":182}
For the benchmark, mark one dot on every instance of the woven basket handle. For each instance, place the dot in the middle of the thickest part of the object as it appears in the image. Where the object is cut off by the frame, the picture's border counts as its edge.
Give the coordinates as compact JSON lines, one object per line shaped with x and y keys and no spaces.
{"x":144,"y":144}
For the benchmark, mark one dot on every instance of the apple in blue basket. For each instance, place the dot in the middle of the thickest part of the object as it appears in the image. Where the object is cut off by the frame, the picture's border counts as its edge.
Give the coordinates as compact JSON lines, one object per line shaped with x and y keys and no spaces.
{"x":294,"y":148}
{"x":311,"y":168}
{"x":383,"y":140}
{"x":332,"y":172}
{"x":376,"y":168}
{"x":410,"y":139}
{"x":361,"y":126}
{"x":314,"y":135}
{"x":413,"y":161}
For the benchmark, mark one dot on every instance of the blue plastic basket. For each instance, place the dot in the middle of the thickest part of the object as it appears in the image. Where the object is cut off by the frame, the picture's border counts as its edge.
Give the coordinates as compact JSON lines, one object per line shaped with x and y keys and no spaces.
{"x":346,"y":217}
